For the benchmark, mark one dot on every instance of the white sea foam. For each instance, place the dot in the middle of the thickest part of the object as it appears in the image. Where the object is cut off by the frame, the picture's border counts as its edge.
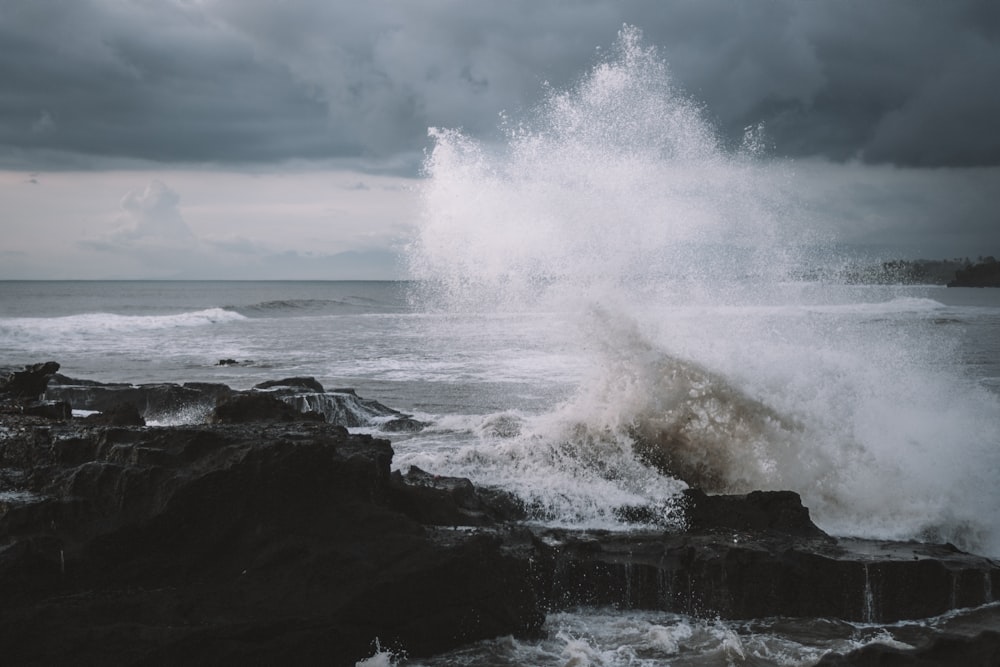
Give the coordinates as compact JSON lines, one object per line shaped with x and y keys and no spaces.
{"x":614,"y":202}
{"x":110,"y":323}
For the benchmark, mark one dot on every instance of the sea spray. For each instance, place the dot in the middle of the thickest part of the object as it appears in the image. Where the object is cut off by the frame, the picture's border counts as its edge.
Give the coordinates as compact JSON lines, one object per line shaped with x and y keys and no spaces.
{"x":704,"y":357}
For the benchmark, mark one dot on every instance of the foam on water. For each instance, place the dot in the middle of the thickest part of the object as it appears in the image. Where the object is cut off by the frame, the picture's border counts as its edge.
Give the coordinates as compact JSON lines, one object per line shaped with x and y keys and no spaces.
{"x":615,"y":205}
{"x":111,"y":323}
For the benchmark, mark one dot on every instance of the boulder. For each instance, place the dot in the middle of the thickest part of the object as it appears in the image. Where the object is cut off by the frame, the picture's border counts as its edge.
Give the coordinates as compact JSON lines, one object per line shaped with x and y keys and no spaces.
{"x":153,"y":401}
{"x":123,"y":414}
{"x":297,"y":383}
{"x":48,"y":409}
{"x":29,"y":383}
{"x":237,"y":544}
{"x":257,"y":407}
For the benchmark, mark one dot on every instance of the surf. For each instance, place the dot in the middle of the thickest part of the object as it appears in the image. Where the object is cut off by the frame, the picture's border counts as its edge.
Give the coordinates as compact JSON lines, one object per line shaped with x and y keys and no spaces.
{"x":704,"y":358}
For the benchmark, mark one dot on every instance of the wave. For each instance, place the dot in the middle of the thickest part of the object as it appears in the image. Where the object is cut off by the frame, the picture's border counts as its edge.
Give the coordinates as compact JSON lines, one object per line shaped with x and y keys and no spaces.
{"x":308,"y":307}
{"x":98,"y":323}
{"x":614,"y":201}
{"x":899,"y":305}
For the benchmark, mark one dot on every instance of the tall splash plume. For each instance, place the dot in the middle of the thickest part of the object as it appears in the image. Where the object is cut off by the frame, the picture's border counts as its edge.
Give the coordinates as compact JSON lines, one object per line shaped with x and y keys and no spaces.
{"x":615,"y":201}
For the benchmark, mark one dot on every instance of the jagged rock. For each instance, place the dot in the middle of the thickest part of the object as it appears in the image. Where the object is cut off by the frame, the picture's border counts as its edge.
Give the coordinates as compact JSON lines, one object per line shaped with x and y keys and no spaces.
{"x":237,"y":544}
{"x":403,"y":425}
{"x":742,"y":575}
{"x":255,"y":407}
{"x":281,"y":542}
{"x":152,"y":400}
{"x":29,"y":383}
{"x":756,"y":512}
{"x":451,"y":501}
{"x":296,"y":383}
{"x":123,"y":414}
{"x":982,"y":650}
{"x":48,"y":409}
{"x":344,"y":407}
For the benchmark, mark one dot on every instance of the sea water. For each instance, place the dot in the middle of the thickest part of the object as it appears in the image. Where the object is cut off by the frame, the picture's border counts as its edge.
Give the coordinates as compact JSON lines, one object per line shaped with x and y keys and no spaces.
{"x":610,"y":269}
{"x":508,"y":395}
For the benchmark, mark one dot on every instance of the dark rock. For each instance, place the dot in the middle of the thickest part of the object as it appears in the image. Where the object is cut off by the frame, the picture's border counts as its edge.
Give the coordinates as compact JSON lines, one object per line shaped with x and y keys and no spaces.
{"x":756,"y":512}
{"x":982,"y":650}
{"x":749,"y":575}
{"x":451,"y":501}
{"x":289,"y":541}
{"x":125,"y":414}
{"x":256,"y":407}
{"x":255,"y":544}
{"x":403,"y":425}
{"x":296,"y":383}
{"x":342,"y":407}
{"x":48,"y":409}
{"x":153,"y":401}
{"x":29,"y":383}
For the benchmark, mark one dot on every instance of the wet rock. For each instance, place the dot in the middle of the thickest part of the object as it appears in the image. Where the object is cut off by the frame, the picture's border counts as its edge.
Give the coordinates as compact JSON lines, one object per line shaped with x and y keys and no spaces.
{"x":403,"y":425}
{"x":48,"y":409}
{"x":451,"y":501}
{"x":236,"y":544}
{"x":297,"y":383}
{"x":742,"y":575}
{"x":758,"y":512}
{"x":153,"y":401}
{"x":123,"y":414}
{"x":275,"y":538}
{"x":256,"y":407}
{"x":29,"y":383}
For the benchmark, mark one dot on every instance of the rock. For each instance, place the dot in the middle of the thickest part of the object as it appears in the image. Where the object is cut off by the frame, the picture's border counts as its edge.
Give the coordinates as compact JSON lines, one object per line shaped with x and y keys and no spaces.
{"x":29,"y":383}
{"x":344,"y":407}
{"x":195,"y":401}
{"x":451,"y":501}
{"x":124,"y":414}
{"x":256,"y":407}
{"x":48,"y":409}
{"x":758,"y":512}
{"x":982,"y":650}
{"x":296,"y":383}
{"x":237,"y":544}
{"x":742,"y":575}
{"x":402,"y":425}
{"x":153,"y":401}
{"x":277,"y":538}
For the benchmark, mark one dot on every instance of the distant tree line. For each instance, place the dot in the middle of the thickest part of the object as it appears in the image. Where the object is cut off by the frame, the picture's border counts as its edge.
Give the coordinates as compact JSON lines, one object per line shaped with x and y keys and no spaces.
{"x":985,"y":273}
{"x":957,"y":272}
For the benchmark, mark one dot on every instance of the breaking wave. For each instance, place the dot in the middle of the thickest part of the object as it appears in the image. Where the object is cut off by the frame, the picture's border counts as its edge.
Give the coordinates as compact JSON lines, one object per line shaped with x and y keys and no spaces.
{"x":707,"y":362}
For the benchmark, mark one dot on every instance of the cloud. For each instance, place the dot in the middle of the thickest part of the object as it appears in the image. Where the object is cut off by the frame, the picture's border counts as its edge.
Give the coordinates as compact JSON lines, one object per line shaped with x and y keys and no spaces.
{"x":153,"y":213}
{"x":253,"y":81}
{"x":149,"y":233}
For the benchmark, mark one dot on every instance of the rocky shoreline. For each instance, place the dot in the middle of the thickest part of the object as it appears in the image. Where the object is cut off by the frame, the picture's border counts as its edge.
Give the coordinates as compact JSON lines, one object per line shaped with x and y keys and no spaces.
{"x":266,"y":533}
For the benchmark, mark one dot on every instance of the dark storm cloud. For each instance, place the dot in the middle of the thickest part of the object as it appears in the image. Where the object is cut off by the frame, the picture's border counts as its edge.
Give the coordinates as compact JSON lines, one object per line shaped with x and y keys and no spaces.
{"x":238,"y":81}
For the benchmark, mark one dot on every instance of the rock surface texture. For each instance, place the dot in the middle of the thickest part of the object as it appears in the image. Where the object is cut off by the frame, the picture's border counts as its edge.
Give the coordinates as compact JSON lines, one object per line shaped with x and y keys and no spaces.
{"x":259,"y":537}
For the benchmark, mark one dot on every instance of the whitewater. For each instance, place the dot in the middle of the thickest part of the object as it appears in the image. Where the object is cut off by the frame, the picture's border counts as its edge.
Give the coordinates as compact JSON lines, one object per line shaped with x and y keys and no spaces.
{"x":607,"y":305}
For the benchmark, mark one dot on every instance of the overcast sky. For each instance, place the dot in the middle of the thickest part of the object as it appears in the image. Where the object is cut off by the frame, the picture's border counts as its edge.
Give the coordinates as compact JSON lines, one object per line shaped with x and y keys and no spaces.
{"x":266,"y":139}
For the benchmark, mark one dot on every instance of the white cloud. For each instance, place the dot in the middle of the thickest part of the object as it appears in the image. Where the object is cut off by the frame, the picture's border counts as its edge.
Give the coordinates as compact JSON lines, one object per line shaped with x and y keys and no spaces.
{"x":152,"y":214}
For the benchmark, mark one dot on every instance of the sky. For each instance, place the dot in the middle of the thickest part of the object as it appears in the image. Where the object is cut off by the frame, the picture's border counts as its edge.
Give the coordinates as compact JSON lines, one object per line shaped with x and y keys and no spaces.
{"x":257,"y":139}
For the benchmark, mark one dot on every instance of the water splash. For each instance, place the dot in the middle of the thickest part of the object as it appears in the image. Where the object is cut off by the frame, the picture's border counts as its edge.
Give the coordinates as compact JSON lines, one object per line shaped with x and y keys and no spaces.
{"x":706,"y":357}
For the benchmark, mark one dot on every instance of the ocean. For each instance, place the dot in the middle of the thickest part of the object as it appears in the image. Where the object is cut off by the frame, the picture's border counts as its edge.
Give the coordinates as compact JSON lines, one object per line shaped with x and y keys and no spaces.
{"x":605,"y":269}
{"x":542,"y":401}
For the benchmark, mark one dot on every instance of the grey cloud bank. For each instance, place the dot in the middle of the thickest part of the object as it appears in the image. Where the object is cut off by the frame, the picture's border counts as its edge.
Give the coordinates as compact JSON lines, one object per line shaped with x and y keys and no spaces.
{"x":227,"y":81}
{"x":265,"y":139}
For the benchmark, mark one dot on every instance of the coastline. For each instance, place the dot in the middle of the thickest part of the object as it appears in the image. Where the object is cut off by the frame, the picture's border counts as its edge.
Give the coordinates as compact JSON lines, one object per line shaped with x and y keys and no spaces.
{"x":272,"y":532}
